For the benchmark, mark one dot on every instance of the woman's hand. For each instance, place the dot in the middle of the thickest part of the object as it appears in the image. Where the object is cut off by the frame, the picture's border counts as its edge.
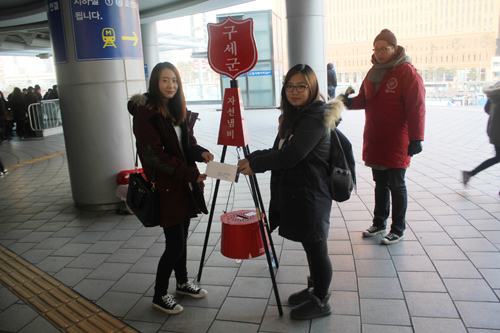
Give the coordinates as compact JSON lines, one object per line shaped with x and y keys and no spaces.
{"x":207,"y":156}
{"x":201,"y":178}
{"x":245,"y":169}
{"x":242,"y":162}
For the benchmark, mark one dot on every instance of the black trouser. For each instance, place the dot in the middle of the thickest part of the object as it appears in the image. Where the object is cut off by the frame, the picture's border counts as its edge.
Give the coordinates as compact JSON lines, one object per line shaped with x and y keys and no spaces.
{"x":320,"y":267}
{"x":174,"y":258}
{"x":390,"y":183}
{"x":20,"y":126}
{"x":8,"y":129}
{"x":489,"y":162}
{"x":2,"y":129}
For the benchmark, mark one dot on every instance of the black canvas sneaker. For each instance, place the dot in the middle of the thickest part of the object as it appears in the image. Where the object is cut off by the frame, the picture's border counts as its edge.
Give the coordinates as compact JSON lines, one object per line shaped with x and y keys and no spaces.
{"x":167,"y":304}
{"x":373,"y":230}
{"x":391,"y":239}
{"x":190,"y":289}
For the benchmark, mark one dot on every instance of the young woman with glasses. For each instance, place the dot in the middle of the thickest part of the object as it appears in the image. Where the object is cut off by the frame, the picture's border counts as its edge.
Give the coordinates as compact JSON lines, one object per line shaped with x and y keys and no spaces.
{"x":393,"y":97}
{"x":300,"y":202}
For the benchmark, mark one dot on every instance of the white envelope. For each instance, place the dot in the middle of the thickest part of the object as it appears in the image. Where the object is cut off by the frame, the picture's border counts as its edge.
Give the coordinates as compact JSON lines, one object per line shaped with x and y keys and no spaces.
{"x":223,"y":171}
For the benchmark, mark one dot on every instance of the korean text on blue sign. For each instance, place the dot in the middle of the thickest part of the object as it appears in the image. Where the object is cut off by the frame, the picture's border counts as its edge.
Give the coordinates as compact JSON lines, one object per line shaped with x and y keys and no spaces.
{"x":56,"y":28}
{"x":106,"y":29}
{"x":254,"y":73}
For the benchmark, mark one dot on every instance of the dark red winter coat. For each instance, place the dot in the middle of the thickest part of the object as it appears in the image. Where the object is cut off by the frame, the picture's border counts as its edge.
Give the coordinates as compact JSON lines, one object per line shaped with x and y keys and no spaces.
{"x":394,"y":115}
{"x":176,"y":172}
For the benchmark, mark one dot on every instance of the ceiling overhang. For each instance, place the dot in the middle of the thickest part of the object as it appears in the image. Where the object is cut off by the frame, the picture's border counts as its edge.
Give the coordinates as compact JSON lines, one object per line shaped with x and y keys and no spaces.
{"x":24,"y":26}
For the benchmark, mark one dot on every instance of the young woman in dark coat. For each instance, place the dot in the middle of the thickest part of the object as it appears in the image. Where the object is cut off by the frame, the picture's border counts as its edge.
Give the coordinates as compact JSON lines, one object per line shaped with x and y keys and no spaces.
{"x":300,"y":202}
{"x":163,"y":129}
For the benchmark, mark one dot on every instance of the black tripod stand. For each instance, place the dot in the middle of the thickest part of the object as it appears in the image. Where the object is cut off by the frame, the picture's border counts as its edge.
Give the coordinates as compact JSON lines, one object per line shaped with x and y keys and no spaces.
{"x":263,"y":225}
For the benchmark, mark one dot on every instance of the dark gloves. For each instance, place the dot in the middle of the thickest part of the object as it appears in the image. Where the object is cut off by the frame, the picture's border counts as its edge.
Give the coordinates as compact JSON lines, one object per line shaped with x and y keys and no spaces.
{"x":414,"y":147}
{"x":344,"y":98}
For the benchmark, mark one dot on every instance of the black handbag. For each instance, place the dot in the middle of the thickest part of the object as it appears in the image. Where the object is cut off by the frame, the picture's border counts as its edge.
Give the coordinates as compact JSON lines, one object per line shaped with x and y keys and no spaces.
{"x":143,"y":198}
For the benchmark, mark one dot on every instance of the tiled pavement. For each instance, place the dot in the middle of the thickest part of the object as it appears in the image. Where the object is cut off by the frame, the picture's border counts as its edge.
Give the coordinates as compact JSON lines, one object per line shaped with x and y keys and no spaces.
{"x":443,"y":277}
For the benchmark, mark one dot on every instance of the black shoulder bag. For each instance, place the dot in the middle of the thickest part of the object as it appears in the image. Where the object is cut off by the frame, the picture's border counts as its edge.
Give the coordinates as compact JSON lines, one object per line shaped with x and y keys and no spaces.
{"x":143,"y":198}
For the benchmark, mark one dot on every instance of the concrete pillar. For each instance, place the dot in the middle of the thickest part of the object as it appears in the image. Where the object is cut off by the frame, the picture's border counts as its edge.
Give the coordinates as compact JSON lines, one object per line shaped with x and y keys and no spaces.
{"x":93,"y":96}
{"x":149,"y":48}
{"x":307,"y":37}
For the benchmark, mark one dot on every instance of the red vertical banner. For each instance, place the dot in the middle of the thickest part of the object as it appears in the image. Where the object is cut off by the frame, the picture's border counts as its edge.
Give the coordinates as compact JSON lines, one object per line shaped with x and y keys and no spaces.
{"x":232,"y":51}
{"x":233,"y":130}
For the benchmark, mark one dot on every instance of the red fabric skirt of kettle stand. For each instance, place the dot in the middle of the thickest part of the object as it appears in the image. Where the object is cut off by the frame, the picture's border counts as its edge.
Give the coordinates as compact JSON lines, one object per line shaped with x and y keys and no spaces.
{"x":241,"y":237}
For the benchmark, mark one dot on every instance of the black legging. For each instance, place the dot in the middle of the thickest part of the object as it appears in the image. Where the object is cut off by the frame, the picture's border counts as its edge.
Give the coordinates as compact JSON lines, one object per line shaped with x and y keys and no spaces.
{"x":489,"y":162}
{"x":320,"y":267}
{"x":174,"y":258}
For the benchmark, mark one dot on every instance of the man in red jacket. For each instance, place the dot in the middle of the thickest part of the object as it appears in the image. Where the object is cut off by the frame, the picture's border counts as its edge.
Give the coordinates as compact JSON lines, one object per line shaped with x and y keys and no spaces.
{"x":393,"y":96}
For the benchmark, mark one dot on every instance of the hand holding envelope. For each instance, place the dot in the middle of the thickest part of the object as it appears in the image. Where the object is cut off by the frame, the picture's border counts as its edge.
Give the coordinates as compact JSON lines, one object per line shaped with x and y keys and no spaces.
{"x":207,"y":156}
{"x":223,"y":171}
{"x":244,"y":166}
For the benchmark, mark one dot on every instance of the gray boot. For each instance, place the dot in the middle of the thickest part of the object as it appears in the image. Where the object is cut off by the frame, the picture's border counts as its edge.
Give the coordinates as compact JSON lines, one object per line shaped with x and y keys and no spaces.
{"x":303,"y":295}
{"x":314,"y":308}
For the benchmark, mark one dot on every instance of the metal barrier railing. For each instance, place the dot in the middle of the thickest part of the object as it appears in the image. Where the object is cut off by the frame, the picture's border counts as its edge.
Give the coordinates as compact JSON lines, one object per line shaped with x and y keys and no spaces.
{"x":45,"y":115}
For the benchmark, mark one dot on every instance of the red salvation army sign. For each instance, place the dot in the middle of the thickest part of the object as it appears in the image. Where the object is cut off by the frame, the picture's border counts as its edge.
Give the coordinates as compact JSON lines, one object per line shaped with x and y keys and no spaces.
{"x":232,"y":50}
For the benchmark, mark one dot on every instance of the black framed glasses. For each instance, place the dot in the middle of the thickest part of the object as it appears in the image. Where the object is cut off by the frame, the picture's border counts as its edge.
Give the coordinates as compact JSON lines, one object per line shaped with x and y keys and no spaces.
{"x":300,"y":88}
{"x":382,"y":50}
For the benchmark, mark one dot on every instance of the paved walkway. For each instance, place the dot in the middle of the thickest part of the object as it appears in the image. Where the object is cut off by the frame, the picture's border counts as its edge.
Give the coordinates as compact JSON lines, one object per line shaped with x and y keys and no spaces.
{"x":443,"y":277}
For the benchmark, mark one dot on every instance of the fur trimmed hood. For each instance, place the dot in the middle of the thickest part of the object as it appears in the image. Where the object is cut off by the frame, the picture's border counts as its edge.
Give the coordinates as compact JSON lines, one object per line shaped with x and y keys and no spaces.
{"x":329,"y":113}
{"x":333,"y":112}
{"x":493,"y":90}
{"x":139,"y":99}
{"x":136,"y":101}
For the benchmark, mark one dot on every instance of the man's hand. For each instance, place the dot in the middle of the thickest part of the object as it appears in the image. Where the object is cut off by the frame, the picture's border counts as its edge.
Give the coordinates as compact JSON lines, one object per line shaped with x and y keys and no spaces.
{"x":414,"y":147}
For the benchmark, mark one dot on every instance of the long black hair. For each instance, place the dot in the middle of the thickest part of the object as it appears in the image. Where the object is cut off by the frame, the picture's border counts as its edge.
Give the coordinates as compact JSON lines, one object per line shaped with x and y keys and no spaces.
{"x":175,"y":108}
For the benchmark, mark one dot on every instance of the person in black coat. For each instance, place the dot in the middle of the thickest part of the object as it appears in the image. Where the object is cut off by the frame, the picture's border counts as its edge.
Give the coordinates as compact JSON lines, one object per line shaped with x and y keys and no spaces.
{"x":18,"y":107}
{"x":332,"y":80}
{"x":3,"y":111}
{"x":5,"y":119}
{"x":300,"y":201}
{"x":38,"y":92}
{"x":29,"y":99}
{"x":54,"y":93}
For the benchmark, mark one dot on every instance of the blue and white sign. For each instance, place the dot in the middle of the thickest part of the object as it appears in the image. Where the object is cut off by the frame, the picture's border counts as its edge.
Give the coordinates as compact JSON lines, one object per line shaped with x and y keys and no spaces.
{"x":254,"y":73}
{"x":56,"y":28}
{"x":260,"y":73}
{"x":106,"y":29}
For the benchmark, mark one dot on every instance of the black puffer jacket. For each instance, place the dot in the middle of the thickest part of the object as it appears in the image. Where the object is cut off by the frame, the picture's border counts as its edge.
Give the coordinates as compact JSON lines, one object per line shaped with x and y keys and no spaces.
{"x":300,"y":202}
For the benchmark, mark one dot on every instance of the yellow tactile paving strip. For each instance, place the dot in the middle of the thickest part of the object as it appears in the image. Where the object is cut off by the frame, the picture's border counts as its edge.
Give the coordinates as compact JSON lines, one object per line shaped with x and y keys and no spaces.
{"x":65,"y":309}
{"x":12,"y":167}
